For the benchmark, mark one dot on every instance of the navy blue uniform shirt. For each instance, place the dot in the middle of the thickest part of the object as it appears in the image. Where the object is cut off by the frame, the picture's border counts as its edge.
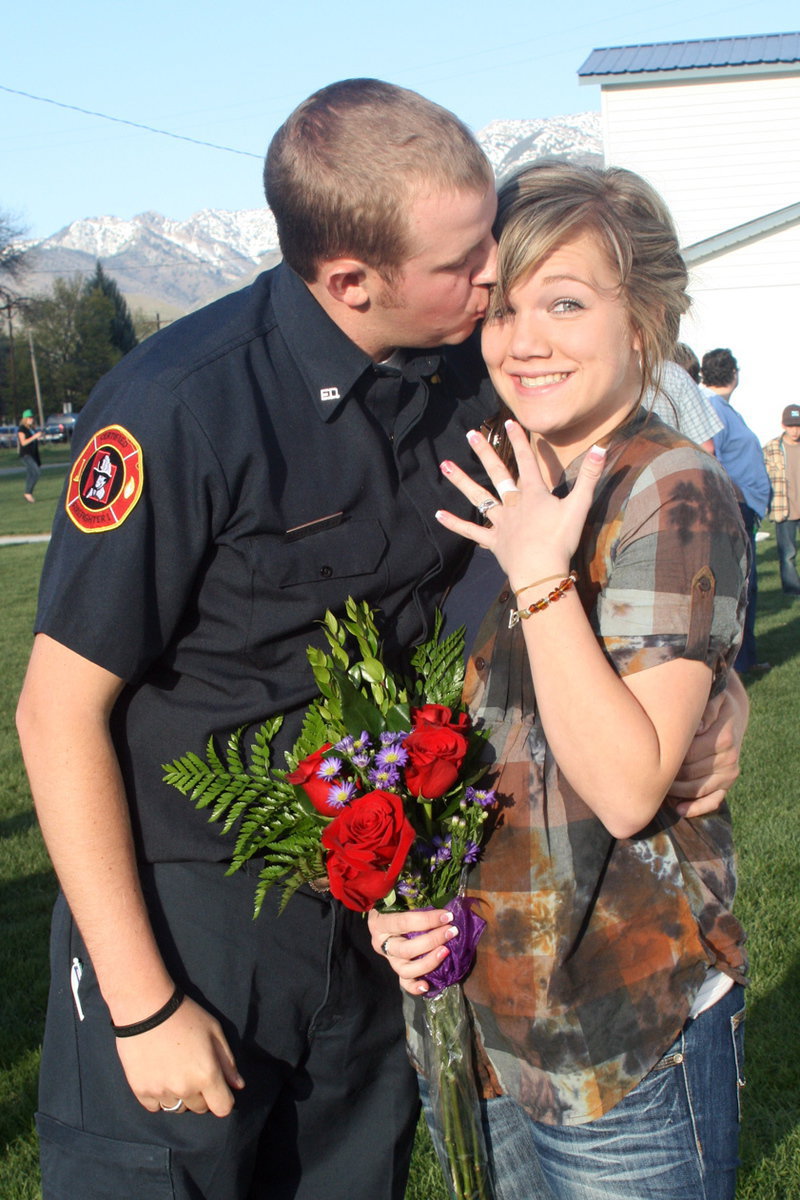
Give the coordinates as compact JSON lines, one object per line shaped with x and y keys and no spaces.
{"x":269,"y":492}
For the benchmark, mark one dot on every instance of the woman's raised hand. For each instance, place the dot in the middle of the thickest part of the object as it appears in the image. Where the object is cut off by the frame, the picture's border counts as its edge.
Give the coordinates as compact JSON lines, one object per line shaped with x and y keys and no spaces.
{"x":532,"y":533}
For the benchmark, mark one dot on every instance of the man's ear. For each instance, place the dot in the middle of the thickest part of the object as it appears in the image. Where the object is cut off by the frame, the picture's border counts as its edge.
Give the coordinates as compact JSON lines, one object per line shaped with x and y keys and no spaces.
{"x":346,"y":281}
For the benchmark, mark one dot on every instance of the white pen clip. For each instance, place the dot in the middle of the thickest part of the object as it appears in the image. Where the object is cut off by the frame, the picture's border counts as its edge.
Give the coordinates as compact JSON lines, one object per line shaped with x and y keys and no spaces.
{"x":75,"y":973}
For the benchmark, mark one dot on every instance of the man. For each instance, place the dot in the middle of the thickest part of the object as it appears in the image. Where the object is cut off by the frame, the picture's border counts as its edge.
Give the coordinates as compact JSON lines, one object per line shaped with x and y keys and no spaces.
{"x":738,"y":449}
{"x":28,"y":444}
{"x":679,"y":402}
{"x":782,"y":460}
{"x":269,"y":456}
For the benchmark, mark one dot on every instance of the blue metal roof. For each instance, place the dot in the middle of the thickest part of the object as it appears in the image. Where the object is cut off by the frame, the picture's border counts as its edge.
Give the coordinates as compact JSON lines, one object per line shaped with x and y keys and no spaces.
{"x":683,"y":56}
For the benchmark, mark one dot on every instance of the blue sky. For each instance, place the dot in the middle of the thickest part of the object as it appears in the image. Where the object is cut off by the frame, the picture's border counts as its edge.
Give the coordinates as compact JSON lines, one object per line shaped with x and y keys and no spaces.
{"x":229,"y":74}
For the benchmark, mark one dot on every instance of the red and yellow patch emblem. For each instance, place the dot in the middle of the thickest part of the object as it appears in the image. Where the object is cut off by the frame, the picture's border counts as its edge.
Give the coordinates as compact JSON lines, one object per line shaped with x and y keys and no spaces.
{"x":106,"y":481}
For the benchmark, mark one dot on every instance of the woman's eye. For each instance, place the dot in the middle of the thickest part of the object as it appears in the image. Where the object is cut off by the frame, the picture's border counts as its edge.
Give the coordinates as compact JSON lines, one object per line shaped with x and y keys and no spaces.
{"x":566,"y":305}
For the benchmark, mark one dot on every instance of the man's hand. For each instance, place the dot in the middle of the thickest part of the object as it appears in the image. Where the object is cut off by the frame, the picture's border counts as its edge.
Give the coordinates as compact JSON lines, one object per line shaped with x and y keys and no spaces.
{"x":711,"y":766}
{"x":186,"y":1058}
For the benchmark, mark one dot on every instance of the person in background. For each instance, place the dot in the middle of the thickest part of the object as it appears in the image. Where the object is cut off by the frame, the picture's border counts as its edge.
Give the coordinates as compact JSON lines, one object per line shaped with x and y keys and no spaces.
{"x":685,"y":357}
{"x":28,"y":444}
{"x":739,"y":451}
{"x":607,"y":991}
{"x":782,"y":461}
{"x":677,"y":399}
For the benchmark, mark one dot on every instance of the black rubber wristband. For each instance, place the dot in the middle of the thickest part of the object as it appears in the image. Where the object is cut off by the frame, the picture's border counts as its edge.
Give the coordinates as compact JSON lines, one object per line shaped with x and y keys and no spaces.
{"x":163,"y":1014}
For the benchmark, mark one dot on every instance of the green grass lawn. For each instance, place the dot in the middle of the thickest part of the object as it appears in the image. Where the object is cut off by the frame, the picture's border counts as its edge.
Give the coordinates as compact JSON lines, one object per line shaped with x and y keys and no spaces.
{"x":764,"y":805}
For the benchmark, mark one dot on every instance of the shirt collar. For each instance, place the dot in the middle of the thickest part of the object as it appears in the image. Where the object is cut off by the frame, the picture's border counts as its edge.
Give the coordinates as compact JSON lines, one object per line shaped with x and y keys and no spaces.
{"x":329,"y":362}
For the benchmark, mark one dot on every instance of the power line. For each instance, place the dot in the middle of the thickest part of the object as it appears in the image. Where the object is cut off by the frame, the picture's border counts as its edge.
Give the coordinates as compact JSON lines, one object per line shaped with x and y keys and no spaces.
{"x":88,"y":112}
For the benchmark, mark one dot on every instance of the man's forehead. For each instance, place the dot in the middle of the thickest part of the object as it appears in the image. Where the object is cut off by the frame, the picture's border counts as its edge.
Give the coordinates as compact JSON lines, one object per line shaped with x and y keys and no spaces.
{"x":449,"y":215}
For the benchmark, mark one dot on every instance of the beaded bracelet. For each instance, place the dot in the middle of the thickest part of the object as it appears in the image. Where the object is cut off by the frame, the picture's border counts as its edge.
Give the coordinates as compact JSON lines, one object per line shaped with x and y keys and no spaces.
{"x":536,"y":583}
{"x":163,"y":1014}
{"x":522,"y":614}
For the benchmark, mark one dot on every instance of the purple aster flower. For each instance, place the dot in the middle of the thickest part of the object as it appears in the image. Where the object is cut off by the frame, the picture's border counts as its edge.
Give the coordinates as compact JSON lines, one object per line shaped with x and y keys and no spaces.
{"x":329,"y":768}
{"x":472,"y":852}
{"x":441,"y":849}
{"x":341,"y":793}
{"x":345,"y":746}
{"x":391,"y":756}
{"x":408,"y":888}
{"x":482,"y":796}
{"x":361,"y":760}
{"x":384,"y":777}
{"x":458,"y":963}
{"x":362,"y":743}
{"x":393,"y":739}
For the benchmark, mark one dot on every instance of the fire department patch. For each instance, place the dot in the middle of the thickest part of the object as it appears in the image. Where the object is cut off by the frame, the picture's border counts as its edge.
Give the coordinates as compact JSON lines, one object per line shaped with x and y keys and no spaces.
{"x":106,"y":481}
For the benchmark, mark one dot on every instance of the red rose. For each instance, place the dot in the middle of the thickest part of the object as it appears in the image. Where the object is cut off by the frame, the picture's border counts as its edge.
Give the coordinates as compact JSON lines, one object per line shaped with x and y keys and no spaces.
{"x":436,"y":752}
{"x":368,"y":843}
{"x":305,"y":775}
{"x":440,"y":714}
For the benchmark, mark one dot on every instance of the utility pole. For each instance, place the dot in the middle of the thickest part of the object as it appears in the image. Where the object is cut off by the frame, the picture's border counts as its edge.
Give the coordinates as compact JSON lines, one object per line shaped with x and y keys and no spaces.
{"x":36,"y":381}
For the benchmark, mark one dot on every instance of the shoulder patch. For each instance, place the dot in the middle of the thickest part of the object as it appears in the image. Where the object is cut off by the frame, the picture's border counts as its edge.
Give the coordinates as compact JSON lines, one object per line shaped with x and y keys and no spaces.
{"x":106,"y":481}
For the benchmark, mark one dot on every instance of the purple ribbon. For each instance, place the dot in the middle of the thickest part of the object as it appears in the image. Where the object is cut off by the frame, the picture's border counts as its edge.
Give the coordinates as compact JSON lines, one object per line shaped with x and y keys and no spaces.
{"x":458,"y":963}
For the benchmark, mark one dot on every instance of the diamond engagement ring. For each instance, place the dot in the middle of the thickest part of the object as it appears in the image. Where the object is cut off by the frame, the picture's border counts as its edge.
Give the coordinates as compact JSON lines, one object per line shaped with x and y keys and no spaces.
{"x":386,"y":941}
{"x":176,"y":1107}
{"x":485,"y":505}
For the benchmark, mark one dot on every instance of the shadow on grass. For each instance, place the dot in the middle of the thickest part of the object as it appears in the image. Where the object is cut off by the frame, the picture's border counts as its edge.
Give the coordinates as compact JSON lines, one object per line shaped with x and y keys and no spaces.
{"x":772,"y":1094}
{"x":20,"y":823}
{"x":25,"y":907}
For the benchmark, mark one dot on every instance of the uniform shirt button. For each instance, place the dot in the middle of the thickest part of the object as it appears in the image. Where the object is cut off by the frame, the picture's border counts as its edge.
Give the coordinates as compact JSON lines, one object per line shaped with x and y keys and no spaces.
{"x":326,"y":572}
{"x":480,"y":663}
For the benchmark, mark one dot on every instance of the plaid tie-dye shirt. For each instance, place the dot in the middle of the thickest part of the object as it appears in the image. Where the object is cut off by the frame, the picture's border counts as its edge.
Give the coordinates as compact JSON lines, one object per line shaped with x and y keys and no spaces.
{"x":595,"y":946}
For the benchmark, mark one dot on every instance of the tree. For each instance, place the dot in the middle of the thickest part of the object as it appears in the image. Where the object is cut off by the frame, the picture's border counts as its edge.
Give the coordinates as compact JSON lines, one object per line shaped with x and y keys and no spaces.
{"x":122,"y":334}
{"x":13,"y":258}
{"x":71,"y":330}
{"x":14,"y":262}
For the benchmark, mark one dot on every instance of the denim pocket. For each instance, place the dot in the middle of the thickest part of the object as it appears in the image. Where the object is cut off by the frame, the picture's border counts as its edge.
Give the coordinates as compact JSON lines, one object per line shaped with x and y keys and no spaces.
{"x":737,"y":1038}
{"x":85,"y":1165}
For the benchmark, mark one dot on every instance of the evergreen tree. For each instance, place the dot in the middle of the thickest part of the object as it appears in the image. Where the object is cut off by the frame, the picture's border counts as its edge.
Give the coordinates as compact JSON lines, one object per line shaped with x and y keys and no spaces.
{"x":122,"y":332}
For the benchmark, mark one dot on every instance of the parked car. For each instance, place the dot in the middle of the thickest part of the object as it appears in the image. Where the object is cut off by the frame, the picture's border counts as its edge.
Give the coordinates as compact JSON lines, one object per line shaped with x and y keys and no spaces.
{"x":8,"y":437}
{"x":59,"y":426}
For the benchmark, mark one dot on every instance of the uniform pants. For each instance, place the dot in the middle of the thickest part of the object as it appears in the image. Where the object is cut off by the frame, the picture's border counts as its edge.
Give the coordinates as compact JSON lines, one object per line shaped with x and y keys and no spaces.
{"x":313,"y":1018}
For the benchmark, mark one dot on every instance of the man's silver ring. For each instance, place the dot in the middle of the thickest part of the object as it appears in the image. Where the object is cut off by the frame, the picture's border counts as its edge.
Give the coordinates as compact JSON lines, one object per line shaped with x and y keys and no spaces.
{"x":505,"y":486}
{"x":486,"y":504}
{"x":176,"y":1107}
{"x":386,"y":941}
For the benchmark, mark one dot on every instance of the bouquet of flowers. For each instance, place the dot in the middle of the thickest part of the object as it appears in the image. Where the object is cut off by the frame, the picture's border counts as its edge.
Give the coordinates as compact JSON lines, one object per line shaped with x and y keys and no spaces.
{"x":377,"y":802}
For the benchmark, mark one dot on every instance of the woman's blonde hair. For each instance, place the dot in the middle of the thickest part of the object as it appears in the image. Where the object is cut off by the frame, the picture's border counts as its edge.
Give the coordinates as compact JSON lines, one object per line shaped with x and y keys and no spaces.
{"x":549,"y":203}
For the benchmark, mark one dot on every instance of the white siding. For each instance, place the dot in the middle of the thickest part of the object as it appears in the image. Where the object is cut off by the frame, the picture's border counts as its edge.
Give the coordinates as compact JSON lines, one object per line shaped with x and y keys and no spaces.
{"x":721,"y":152}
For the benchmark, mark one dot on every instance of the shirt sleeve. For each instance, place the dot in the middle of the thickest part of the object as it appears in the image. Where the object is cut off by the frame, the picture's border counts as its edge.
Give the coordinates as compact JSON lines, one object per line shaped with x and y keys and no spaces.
{"x":677,"y":568}
{"x":118,"y":582}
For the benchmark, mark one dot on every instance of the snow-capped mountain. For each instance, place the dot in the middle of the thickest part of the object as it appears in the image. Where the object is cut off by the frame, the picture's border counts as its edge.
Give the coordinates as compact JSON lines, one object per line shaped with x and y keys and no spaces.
{"x":182,"y":264}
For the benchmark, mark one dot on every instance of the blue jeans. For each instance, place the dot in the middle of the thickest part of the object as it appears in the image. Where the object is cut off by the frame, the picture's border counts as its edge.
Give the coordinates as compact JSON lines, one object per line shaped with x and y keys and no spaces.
{"x":786,"y":538}
{"x":674,"y":1137}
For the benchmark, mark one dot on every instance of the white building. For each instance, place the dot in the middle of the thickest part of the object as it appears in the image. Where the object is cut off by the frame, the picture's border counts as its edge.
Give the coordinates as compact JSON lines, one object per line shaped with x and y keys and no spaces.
{"x":715,"y":126}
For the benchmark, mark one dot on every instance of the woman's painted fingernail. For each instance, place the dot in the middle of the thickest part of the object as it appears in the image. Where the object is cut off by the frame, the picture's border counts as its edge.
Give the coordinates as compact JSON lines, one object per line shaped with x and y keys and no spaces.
{"x":473,"y":437}
{"x":597,"y":452}
{"x":446,"y":467}
{"x":442,"y":952}
{"x":422,"y":988}
{"x":451,"y":932}
{"x":446,"y":918}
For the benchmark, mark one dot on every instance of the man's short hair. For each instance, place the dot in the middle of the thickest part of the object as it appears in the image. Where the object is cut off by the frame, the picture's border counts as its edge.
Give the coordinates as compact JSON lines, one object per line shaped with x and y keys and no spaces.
{"x":719,"y":368}
{"x":341,"y":171}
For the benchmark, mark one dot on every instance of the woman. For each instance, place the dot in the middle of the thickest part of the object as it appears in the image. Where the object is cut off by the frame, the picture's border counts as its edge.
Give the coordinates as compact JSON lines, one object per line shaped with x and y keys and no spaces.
{"x":28,"y":447}
{"x":607,"y":990}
